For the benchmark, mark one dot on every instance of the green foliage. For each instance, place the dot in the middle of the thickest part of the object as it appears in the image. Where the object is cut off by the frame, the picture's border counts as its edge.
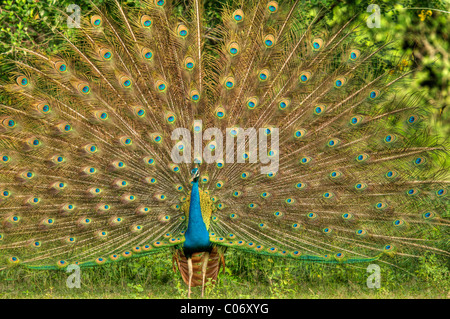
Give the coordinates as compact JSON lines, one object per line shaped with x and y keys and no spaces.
{"x":246,"y":276}
{"x":434,"y":270}
{"x":420,"y":34}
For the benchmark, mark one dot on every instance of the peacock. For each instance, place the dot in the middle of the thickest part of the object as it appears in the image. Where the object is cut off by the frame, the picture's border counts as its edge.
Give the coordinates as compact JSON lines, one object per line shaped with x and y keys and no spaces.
{"x":272,"y":133}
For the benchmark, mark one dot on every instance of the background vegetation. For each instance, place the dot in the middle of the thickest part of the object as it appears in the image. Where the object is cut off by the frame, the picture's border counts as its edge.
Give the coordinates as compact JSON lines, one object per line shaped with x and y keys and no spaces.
{"x":421,"y":30}
{"x":246,"y":276}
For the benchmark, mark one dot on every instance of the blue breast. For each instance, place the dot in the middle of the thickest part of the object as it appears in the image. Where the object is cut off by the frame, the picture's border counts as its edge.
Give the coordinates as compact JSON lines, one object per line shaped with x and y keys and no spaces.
{"x":197,"y":236}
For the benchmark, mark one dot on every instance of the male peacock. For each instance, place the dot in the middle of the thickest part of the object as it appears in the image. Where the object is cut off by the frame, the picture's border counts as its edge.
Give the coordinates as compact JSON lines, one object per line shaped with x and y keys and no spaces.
{"x":103,"y":145}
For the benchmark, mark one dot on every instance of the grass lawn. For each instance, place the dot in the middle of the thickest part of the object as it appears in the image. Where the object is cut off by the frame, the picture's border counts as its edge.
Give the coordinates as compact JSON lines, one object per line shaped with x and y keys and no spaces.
{"x":245,"y":277}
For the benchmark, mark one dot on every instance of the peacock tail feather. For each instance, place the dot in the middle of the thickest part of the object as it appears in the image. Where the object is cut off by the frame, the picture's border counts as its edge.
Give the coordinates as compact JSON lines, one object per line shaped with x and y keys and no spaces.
{"x":87,"y":173}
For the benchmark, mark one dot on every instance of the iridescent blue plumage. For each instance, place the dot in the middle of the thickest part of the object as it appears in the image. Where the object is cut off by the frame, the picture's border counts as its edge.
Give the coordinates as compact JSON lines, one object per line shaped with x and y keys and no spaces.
{"x":197,"y":236}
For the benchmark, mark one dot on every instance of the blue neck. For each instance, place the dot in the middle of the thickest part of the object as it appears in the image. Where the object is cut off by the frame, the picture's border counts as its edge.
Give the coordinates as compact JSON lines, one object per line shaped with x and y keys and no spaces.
{"x":197,"y":236}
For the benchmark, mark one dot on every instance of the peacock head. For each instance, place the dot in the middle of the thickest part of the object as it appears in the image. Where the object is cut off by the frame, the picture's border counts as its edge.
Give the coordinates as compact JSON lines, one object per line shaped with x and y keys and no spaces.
{"x":195,"y":174}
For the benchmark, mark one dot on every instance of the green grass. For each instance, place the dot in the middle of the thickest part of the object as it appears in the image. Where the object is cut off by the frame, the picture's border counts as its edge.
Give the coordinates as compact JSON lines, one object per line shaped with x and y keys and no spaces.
{"x":245,"y":277}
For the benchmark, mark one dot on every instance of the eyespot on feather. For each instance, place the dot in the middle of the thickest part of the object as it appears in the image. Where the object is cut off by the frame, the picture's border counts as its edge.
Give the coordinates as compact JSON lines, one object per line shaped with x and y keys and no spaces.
{"x":94,"y":191}
{"x":284,"y":104}
{"x":340,"y":82}
{"x":264,"y":75}
{"x":33,"y":142}
{"x":139,"y":111}
{"x":195,"y":95}
{"x":189,"y":63}
{"x":96,"y":21}
{"x":272,"y":6}
{"x":60,"y":66}
{"x":125,"y":81}
{"x":146,"y":21}
{"x":317,"y":44}
{"x":391,"y":174}
{"x":234,"y":48}
{"x":333,"y":143}
{"x":354,"y":55}
{"x":84,"y":88}
{"x":305,"y":76}
{"x":319,"y":109}
{"x":58,"y":159}
{"x":91,"y":149}
{"x":161,"y":86}
{"x":238,"y":16}
{"x":101,"y":115}
{"x":22,"y":81}
{"x":105,"y":54}
{"x":147,"y":54}
{"x":64,"y":127}
{"x":229,"y":82}
{"x":252,"y":103}
{"x":374,"y":94}
{"x":8,"y":122}
{"x":148,"y":160}
{"x":89,"y":170}
{"x":182,"y":31}
{"x":362,"y":158}
{"x":220,"y":112}
{"x":305,"y":160}
{"x":43,"y":108}
{"x":355,"y":120}
{"x":300,"y":133}
{"x":269,"y":41}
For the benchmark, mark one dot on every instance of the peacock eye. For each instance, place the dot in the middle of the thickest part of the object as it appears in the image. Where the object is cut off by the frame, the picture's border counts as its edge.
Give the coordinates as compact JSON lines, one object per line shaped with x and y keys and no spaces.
{"x":96,"y":21}
{"x":284,"y":103}
{"x":9,"y":123}
{"x":412,"y":119}
{"x":146,"y":21}
{"x":319,"y":110}
{"x":339,"y":82}
{"x":63,"y":68}
{"x":85,"y":89}
{"x":305,"y":160}
{"x":238,"y":15}
{"x":229,"y":82}
{"x":182,"y":31}
{"x":269,"y":41}
{"x":195,"y":95}
{"x":419,"y":161}
{"x":233,"y":48}
{"x":22,"y":81}
{"x":220,"y":112}
{"x":264,"y":75}
{"x":300,"y":185}
{"x":374,"y":94}
{"x":354,"y":55}
{"x":252,"y":103}
{"x":347,"y":216}
{"x":272,"y":6}
{"x":304,"y":77}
